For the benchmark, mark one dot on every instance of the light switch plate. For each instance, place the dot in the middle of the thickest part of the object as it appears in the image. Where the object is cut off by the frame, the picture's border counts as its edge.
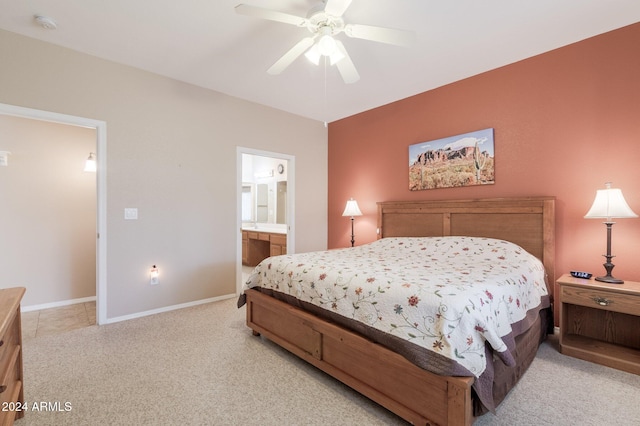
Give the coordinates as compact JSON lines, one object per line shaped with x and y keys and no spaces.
{"x":130,"y":213}
{"x":4,"y":158}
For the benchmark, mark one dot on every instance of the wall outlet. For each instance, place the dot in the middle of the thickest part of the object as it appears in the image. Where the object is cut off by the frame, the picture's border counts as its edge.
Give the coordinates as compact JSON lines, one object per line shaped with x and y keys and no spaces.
{"x":154,"y":281}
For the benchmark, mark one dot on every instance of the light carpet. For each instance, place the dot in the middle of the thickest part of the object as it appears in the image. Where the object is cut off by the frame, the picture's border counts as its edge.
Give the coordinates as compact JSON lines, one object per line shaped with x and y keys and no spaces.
{"x":202,"y":366}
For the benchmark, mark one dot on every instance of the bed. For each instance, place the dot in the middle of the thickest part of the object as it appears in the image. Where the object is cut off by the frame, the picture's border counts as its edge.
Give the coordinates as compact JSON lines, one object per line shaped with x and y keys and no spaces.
{"x":370,"y":361}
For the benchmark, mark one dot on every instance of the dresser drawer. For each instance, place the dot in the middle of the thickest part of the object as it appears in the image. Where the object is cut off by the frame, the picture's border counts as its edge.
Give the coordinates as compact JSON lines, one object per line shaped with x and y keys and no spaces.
{"x":7,"y":343}
{"x":601,"y":299}
{"x":10,"y":376}
{"x":278,"y":239}
{"x":10,"y":354}
{"x":9,"y":361}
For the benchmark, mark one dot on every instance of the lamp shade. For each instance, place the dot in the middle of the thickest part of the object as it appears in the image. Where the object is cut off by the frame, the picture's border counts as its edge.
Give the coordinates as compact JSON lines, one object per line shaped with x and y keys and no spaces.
{"x":609,"y":203}
{"x":352,"y":209}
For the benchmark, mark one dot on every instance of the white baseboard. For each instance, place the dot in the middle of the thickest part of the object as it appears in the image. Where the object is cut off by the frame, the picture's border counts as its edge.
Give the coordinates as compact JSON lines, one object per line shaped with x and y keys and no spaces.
{"x":57,"y":304}
{"x":167,"y":309}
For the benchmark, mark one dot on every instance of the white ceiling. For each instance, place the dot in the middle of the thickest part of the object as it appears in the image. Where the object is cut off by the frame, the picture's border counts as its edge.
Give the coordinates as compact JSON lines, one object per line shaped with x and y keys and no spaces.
{"x":207,"y":44}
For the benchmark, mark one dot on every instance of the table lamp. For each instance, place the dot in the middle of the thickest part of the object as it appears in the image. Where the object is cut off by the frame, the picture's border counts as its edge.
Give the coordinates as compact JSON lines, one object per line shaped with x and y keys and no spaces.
{"x":352,"y":209}
{"x":609,"y":204}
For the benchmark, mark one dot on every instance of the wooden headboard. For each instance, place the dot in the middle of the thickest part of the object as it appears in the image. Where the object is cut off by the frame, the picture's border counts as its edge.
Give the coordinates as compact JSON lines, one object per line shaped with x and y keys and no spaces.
{"x":528,"y":222}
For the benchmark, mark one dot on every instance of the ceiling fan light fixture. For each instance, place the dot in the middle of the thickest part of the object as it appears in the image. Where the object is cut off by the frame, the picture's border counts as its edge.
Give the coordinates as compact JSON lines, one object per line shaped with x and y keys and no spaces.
{"x":313,"y":54}
{"x":327,"y":45}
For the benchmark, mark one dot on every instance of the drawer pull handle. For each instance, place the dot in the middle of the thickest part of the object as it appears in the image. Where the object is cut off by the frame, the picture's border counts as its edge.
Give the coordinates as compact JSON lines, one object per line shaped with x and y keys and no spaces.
{"x":602,"y":301}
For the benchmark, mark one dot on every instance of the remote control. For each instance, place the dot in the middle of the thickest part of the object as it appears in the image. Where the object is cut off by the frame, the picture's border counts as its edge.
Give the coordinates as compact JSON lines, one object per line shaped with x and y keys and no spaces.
{"x":580,"y":274}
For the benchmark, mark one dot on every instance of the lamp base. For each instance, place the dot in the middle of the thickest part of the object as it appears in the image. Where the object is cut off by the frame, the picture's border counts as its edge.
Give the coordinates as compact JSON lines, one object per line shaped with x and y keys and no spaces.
{"x":609,"y":279}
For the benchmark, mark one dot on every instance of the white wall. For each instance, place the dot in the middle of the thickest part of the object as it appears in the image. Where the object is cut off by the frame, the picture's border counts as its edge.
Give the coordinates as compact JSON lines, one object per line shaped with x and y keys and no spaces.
{"x":171,"y":153}
{"x":47,"y":210}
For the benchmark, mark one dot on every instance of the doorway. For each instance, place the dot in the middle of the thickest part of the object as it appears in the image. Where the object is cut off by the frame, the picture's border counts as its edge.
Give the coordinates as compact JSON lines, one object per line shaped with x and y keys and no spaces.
{"x":265,"y":199}
{"x":101,"y":236}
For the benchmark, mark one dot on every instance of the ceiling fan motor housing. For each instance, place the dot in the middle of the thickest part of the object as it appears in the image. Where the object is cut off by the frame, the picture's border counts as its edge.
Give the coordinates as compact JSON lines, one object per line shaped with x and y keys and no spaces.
{"x":323,"y":24}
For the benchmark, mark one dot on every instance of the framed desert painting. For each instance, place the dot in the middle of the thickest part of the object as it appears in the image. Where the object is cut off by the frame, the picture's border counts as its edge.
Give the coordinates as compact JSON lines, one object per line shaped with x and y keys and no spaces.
{"x":460,"y":160}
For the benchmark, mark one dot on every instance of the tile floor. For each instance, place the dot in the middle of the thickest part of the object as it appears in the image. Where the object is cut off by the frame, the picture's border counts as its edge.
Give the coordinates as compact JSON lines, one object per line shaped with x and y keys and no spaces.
{"x":58,"y":320}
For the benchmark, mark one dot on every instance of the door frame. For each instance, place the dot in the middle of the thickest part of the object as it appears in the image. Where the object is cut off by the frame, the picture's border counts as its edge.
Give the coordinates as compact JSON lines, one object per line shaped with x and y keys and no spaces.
{"x":101,"y":189}
{"x":291,"y":173}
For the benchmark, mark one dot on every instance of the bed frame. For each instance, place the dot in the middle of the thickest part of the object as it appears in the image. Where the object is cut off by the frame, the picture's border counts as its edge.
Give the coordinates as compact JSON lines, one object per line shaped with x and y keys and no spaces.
{"x":416,"y":395}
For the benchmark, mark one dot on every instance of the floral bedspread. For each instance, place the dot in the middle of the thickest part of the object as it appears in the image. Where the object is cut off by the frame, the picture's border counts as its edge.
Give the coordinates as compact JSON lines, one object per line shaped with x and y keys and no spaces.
{"x":446,"y":294}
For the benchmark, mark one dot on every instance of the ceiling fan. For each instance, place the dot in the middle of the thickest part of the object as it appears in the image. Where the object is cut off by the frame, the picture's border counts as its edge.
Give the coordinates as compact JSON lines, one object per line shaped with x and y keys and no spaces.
{"x":324,"y":22}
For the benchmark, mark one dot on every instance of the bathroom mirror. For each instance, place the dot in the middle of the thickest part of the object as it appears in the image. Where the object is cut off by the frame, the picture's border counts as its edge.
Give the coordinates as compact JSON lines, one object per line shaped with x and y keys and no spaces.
{"x":264,"y":190}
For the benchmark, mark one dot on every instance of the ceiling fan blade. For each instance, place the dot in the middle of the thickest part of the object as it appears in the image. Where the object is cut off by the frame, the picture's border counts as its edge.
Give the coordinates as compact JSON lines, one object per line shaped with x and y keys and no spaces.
{"x":272,"y":15}
{"x":286,"y":59}
{"x":379,"y":34}
{"x":336,"y":7}
{"x":345,"y":66}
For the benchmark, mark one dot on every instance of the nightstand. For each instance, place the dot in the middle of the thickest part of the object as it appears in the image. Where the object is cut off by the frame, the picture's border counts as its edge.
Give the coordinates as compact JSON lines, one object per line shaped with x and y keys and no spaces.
{"x":600,"y":322}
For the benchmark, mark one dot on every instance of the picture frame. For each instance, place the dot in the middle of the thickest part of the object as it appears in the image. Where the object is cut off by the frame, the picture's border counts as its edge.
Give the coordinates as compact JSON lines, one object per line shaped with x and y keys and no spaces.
{"x":455,"y":161}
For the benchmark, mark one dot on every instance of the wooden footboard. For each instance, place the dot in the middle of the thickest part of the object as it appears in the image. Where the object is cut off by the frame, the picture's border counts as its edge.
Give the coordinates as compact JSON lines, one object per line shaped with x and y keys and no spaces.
{"x":416,"y":395}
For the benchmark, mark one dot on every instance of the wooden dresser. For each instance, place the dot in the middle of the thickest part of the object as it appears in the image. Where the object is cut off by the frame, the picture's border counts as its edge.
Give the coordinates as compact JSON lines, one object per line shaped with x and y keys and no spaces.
{"x":11,"y":391}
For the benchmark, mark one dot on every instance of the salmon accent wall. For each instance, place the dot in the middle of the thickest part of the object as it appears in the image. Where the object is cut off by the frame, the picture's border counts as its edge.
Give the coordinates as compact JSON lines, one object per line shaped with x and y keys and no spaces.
{"x":565,"y":122}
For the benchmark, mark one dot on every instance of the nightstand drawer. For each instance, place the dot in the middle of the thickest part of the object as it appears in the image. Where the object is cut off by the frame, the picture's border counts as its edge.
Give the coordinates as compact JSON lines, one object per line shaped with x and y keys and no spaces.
{"x":601,"y":299}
